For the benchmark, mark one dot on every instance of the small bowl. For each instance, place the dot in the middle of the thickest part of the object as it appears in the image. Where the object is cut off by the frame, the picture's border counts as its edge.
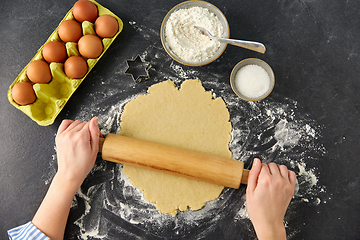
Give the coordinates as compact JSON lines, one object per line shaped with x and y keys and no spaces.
{"x":211,"y":8}
{"x":252,"y":61}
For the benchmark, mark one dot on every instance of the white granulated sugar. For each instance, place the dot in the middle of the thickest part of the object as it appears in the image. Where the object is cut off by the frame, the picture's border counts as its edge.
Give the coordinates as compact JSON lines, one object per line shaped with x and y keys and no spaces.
{"x":252,"y":81}
{"x":185,"y":40}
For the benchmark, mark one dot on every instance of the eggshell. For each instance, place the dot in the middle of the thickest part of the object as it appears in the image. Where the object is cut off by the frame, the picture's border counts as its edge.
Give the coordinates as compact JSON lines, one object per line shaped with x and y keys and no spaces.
{"x":23,"y":93}
{"x":90,"y":46}
{"x":54,"y":51}
{"x":38,"y":71}
{"x":75,"y":67}
{"x":84,"y":10}
{"x":70,"y":31}
{"x":106,"y":26}
{"x":52,"y":97}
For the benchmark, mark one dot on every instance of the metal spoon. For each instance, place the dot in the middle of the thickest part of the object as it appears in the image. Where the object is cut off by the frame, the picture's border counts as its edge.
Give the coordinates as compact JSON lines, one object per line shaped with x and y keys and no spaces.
{"x":255,"y":46}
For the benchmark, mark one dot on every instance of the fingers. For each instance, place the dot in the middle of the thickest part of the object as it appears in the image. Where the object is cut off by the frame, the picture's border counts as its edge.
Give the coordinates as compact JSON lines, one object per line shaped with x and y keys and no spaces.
{"x":253,"y":175}
{"x":284,"y":172}
{"x":69,"y":125}
{"x":264,"y":170}
{"x":64,"y":125}
{"x":94,"y":134}
{"x":292,"y":178}
{"x":273,"y":169}
{"x":79,"y":126}
{"x":89,"y":130}
{"x":287,"y":174}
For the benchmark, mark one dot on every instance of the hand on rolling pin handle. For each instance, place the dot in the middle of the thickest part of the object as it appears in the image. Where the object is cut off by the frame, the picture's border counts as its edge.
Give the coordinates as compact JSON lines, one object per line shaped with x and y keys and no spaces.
{"x":268,"y":194}
{"x":77,"y":145}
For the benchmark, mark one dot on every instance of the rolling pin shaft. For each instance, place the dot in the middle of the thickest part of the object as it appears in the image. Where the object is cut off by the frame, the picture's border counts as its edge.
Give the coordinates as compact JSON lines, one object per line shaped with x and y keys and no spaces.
{"x":173,"y":160}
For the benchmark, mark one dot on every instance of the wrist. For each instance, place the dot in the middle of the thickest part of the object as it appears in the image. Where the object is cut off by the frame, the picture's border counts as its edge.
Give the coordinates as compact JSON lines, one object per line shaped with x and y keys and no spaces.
{"x":65,"y":184}
{"x":53,"y":212}
{"x":273,"y":231}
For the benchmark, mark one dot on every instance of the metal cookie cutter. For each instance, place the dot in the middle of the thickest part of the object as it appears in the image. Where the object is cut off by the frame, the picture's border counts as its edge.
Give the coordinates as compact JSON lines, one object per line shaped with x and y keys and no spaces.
{"x":138,"y":69}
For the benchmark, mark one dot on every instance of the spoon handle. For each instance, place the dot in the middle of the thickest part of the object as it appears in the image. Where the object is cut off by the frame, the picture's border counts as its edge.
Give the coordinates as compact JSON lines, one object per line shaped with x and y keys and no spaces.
{"x":255,"y":46}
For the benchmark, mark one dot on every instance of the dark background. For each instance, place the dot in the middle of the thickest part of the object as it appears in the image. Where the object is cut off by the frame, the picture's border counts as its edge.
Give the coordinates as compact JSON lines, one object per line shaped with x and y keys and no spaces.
{"x":312,"y":46}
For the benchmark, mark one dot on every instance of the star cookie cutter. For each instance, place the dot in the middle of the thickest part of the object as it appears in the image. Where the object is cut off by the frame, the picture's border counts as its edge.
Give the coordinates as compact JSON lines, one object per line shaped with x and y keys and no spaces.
{"x":138,"y":69}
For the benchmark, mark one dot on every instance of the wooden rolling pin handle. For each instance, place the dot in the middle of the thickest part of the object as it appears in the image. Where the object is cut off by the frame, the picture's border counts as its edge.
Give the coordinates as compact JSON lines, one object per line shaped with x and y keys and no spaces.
{"x":101,"y":144}
{"x":245,"y":176}
{"x":182,"y":162}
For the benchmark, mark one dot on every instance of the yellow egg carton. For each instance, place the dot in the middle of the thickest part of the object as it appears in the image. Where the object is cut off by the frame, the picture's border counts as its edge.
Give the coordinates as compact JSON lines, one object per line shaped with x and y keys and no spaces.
{"x":52,"y":96}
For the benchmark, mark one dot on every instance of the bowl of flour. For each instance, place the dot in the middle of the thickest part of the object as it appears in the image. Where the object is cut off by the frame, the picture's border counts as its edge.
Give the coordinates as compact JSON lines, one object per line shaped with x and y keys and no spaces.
{"x":186,"y":44}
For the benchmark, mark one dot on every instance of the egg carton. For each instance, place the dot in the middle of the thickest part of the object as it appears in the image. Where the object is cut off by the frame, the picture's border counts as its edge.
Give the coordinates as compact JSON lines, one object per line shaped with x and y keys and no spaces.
{"x":52,"y":96}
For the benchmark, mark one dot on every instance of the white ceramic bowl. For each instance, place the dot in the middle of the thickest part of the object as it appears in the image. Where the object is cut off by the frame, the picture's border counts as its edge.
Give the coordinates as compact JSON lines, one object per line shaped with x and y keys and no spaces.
{"x":252,"y":61}
{"x":211,"y":8}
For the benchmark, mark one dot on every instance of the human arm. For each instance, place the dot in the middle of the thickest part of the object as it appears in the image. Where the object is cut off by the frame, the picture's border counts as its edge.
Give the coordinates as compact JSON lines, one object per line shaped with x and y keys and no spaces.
{"x":77,"y":145}
{"x":268,"y":194}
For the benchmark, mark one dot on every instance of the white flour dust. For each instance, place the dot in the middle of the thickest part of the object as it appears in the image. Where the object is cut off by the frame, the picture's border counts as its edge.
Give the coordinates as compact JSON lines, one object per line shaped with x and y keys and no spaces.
{"x":108,"y":205}
{"x":272,"y":131}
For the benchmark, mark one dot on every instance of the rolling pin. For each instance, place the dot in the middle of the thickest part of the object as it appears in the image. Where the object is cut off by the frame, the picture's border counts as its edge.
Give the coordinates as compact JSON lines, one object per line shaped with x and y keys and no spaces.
{"x":182,"y":162}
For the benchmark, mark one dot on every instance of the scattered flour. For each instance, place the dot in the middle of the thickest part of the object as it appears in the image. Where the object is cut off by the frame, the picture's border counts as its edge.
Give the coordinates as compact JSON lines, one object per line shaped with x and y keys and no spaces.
{"x":269,"y":130}
{"x":242,"y":213}
{"x":285,"y":135}
{"x":185,"y":40}
{"x":108,"y":204}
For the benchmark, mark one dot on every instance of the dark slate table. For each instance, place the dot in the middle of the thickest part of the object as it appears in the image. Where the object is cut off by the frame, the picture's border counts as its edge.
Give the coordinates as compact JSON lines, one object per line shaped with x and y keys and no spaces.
{"x":310,"y":122}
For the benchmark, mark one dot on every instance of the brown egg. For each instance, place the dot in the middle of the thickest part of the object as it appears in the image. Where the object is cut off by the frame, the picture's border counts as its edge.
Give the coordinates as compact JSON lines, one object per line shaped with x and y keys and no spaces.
{"x":70,"y":31}
{"x":106,"y":26}
{"x":23,"y":93}
{"x":38,"y":71}
{"x":84,"y":10}
{"x":75,"y":67}
{"x":54,"y":51}
{"x":90,"y":46}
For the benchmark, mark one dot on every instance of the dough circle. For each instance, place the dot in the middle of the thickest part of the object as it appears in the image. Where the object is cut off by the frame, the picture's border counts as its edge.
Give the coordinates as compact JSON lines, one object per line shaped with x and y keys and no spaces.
{"x":189,"y":118}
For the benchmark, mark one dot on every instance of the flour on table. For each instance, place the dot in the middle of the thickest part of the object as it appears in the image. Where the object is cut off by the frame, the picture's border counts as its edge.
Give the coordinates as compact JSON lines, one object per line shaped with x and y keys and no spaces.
{"x":265,"y":129}
{"x":108,"y":204}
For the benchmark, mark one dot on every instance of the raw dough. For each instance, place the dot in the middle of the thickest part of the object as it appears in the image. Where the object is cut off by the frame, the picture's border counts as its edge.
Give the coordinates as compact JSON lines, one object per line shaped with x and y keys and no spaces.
{"x":188,"y":118}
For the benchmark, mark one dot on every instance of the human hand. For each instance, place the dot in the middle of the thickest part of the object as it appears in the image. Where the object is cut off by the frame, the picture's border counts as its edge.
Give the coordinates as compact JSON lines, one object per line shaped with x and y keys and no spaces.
{"x":77,"y":145}
{"x":268,"y":194}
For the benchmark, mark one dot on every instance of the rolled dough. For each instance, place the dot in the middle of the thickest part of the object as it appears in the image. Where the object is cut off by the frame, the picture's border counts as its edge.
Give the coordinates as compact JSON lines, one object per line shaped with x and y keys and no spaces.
{"x":189,"y":118}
